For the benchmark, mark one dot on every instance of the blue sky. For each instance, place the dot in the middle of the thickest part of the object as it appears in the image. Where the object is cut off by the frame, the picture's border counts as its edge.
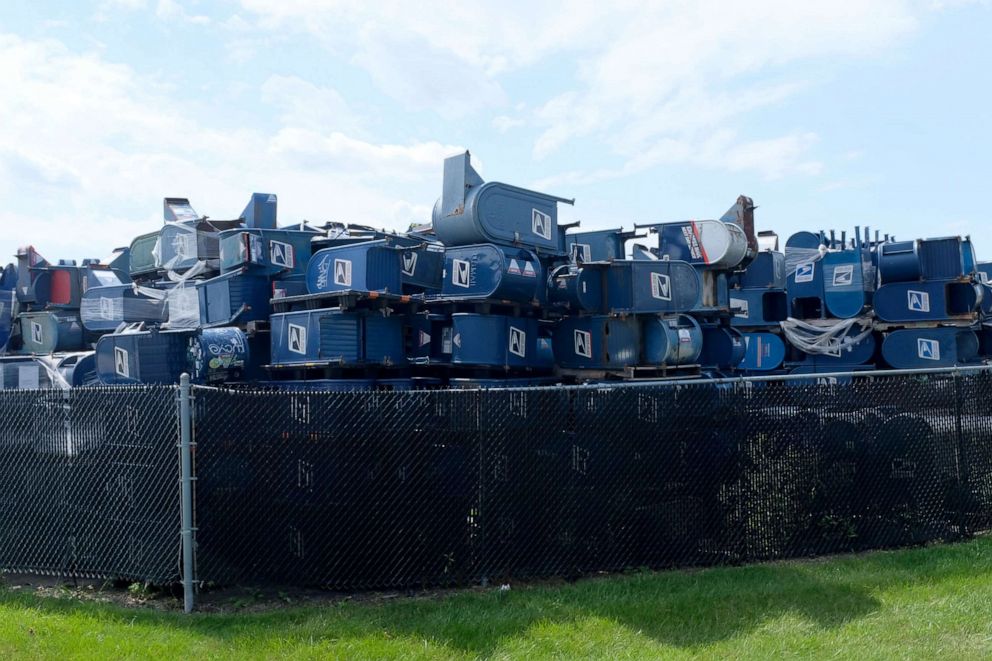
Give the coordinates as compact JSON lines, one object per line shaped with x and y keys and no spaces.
{"x":829,"y":115}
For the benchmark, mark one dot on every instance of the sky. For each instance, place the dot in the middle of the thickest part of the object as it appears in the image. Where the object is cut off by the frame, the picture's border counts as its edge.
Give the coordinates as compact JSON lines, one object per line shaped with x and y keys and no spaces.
{"x":830,"y":115}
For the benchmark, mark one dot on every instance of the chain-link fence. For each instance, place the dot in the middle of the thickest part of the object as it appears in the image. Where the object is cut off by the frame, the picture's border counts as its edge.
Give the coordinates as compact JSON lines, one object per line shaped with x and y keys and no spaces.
{"x":89,"y":482}
{"x":357,"y":490}
{"x":364,"y":490}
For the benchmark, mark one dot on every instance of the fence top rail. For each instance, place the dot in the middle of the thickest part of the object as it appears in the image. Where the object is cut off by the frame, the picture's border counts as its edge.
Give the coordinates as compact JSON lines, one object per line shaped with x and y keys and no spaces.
{"x":650,"y":383}
{"x":101,"y":388}
{"x":866,"y":375}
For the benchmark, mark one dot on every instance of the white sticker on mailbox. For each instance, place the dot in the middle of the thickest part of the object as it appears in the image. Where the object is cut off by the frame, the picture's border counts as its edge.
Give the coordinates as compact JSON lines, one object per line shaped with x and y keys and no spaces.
{"x":518,"y":342}
{"x":281,"y":254}
{"x":342,"y":272}
{"x":918,"y":301}
{"x":928,"y":349}
{"x":298,"y":339}
{"x":583,"y":344}
{"x":844,"y":275}
{"x":460,"y":271}
{"x":122,"y":362}
{"x":409,"y":263}
{"x":661,"y":286}
{"x":541,"y":224}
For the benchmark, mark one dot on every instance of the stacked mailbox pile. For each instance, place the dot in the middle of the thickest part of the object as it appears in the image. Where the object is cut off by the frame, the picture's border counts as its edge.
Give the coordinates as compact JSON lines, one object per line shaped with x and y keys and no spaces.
{"x":494,"y":291}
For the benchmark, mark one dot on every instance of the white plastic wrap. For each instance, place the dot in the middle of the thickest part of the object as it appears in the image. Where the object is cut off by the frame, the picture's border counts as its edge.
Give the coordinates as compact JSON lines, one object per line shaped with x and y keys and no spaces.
{"x":157,"y":251}
{"x":14,"y":305}
{"x":191,"y":272}
{"x":336,"y":231}
{"x":871,"y":274}
{"x":183,"y":300}
{"x":29,"y":377}
{"x":148,"y":307}
{"x":48,"y":364}
{"x":8,"y":308}
{"x":827,"y":339}
{"x":184,"y":306}
{"x":795,"y":257}
{"x":105,"y":308}
{"x":186,"y":242}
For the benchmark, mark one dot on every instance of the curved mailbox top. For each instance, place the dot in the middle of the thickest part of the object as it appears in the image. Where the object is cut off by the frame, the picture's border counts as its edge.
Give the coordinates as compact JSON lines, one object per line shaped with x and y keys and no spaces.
{"x":711,"y":243}
{"x":471,"y":211}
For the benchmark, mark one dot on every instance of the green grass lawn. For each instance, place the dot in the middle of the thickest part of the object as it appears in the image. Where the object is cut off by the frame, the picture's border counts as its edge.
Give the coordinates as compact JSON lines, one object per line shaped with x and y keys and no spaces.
{"x":933,"y":602}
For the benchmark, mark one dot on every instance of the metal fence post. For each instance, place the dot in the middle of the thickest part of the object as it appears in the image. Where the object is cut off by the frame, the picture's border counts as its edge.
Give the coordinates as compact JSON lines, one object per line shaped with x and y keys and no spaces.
{"x":964,"y":481}
{"x":186,"y":462}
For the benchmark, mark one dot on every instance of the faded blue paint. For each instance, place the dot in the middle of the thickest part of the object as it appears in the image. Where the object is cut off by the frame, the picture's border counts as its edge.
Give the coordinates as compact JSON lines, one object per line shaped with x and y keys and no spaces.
{"x":50,"y":331}
{"x":471,"y":211}
{"x":671,"y":341}
{"x":930,"y":347}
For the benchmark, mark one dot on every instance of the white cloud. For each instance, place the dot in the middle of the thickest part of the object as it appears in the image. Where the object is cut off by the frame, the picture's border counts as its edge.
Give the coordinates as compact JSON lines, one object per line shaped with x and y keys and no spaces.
{"x":336,"y":152}
{"x":130,"y":5}
{"x":647,"y":84}
{"x":170,"y":10}
{"x":941,"y":5}
{"x":306,"y":105}
{"x":681,"y":70}
{"x":444,"y":56}
{"x":492,"y":38}
{"x":504,"y":123}
{"x":404,"y":214}
{"x":645,"y":72}
{"x":88,"y":149}
{"x":772,"y":158}
{"x":424,"y":77}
